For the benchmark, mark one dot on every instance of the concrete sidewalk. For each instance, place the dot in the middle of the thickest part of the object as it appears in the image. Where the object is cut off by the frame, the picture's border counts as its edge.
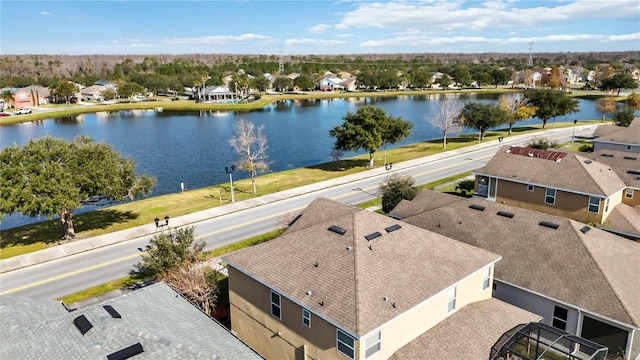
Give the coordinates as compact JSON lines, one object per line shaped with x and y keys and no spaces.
{"x":82,"y":245}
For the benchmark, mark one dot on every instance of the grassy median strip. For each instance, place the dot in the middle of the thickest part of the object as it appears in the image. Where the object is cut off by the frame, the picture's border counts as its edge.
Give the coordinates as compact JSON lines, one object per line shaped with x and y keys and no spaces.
{"x":41,"y":235}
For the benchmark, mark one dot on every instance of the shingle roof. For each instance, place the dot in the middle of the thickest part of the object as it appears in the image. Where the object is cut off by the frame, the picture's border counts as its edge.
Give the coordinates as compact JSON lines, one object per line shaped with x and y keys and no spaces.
{"x":624,"y":218}
{"x":625,"y":164}
{"x":564,"y":263}
{"x":572,"y":172}
{"x":619,"y":134}
{"x":468,"y":334}
{"x":354,"y":275}
{"x":417,"y":206}
{"x":164,"y":323}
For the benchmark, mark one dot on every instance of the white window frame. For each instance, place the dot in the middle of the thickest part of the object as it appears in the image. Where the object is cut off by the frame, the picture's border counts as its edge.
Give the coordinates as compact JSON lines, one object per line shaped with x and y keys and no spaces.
{"x":278,"y":305}
{"x":546,"y":196}
{"x":596,"y":206}
{"x":530,"y":188}
{"x":306,"y":315}
{"x":373,"y":342}
{"x":352,"y":347}
{"x":451,"y":299}
{"x":628,"y":193}
{"x":554,"y":317}
{"x":486,"y":278}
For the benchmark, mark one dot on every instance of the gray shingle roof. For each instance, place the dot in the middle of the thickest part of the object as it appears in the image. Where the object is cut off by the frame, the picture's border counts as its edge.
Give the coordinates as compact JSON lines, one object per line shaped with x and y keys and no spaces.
{"x":468,"y":334}
{"x":407,"y":265}
{"x":596,"y":270}
{"x":621,"y":163}
{"x":624,"y":218}
{"x":619,"y":134}
{"x":163,"y":322}
{"x":573,"y":172}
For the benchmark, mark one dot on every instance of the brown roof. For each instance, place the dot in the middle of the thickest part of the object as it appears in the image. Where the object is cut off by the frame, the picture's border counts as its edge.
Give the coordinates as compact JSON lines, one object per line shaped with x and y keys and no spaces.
{"x":625,"y":164}
{"x":565,"y":264}
{"x":468,"y":334}
{"x":416,"y":206}
{"x":354,"y":275}
{"x":619,"y":134}
{"x":624,"y":218}
{"x":571,"y":172}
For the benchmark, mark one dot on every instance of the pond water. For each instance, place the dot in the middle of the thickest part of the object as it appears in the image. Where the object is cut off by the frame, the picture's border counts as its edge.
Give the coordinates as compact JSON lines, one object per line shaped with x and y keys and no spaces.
{"x":192,"y":147}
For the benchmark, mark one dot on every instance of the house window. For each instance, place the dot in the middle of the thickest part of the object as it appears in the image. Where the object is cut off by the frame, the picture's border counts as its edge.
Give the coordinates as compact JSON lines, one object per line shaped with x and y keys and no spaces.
{"x":486,"y":278}
{"x":275,"y":305}
{"x":628,"y":147}
{"x":606,"y":205}
{"x":560,"y":318}
{"x":628,"y":193}
{"x":346,"y":344}
{"x":306,"y":318}
{"x":550,"y":196}
{"x":451,"y":299}
{"x":594,"y":205}
{"x":372,"y":344}
{"x":530,"y":187}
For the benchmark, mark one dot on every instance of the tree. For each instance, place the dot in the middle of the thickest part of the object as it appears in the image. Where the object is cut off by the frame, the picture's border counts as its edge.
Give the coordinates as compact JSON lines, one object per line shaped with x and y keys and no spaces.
{"x":606,"y":105}
{"x":369,"y":128}
{"x":108,"y":94}
{"x":550,"y":103}
{"x":282,"y":84}
{"x":618,"y":82}
{"x":240,"y":84}
{"x":303,"y":82}
{"x":128,"y":89}
{"x":633,"y":100}
{"x":446,"y":117}
{"x":395,"y":189}
{"x":444,"y":81}
{"x":65,"y":89}
{"x":624,"y":117}
{"x":517,"y":109}
{"x":7,"y":98}
{"x":554,"y":79}
{"x":259,"y":83}
{"x":251,"y":147}
{"x":170,"y":250}
{"x":174,"y":257}
{"x":50,"y":176}
{"x":481,"y":116}
{"x":500,"y":76}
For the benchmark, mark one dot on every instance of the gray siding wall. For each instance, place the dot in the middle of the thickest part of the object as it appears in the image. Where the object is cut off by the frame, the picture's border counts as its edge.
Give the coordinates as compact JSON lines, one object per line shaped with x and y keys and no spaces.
{"x":617,"y":147}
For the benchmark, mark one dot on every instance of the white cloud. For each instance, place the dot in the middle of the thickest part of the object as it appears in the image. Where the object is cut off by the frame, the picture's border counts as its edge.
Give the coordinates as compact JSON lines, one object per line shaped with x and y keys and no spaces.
{"x":315,"y":42}
{"x":421,"y":40}
{"x":125,"y":41}
{"x":218,"y":39}
{"x":443,"y":15}
{"x":45,"y":13}
{"x":320,"y":28}
{"x":346,"y":35}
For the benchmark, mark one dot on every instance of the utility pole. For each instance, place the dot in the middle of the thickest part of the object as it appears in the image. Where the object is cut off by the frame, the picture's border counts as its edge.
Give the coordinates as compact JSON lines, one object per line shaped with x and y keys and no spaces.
{"x":281,"y":63}
{"x":530,"y":60}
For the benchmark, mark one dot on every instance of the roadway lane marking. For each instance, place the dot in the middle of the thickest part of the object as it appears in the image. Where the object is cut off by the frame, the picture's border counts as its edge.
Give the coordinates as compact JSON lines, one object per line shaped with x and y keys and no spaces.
{"x":59,"y":277}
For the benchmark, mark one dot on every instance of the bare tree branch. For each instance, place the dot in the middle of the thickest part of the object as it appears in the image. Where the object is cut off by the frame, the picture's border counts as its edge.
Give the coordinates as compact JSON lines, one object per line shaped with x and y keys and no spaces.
{"x":250,"y":145}
{"x":446,"y":117}
{"x":195,"y":281}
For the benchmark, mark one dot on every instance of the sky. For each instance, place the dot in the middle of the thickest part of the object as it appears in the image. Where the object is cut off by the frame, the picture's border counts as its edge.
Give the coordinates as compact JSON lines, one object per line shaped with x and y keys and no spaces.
{"x":320,"y":27}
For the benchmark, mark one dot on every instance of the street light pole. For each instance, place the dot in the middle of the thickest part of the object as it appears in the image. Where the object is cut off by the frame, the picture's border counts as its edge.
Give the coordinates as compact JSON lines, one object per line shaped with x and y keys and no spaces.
{"x":574,"y":130}
{"x":230,"y":172}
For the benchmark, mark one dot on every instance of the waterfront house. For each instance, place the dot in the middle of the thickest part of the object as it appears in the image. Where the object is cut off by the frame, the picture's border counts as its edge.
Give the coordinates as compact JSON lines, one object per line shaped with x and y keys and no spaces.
{"x":20,"y":97}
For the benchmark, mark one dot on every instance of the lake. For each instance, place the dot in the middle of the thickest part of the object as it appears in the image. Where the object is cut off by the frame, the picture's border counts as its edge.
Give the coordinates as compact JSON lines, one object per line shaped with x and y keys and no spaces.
{"x":192,"y":147}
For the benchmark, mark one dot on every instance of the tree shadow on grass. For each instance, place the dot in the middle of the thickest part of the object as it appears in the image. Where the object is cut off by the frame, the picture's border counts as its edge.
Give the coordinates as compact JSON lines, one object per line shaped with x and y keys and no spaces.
{"x":340,"y":165}
{"x":52,"y":231}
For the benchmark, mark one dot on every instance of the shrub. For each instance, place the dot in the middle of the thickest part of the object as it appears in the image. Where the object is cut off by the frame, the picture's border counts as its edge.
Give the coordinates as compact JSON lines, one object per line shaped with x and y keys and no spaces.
{"x":586,"y":148}
{"x":395,"y":189}
{"x":543,"y":144}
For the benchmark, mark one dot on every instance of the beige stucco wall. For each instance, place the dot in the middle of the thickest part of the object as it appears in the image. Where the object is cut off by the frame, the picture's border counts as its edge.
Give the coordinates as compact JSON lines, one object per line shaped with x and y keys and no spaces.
{"x":413,"y":323}
{"x":569,"y":205}
{"x":252,"y":321}
{"x":634,"y":200}
{"x":614,"y":200}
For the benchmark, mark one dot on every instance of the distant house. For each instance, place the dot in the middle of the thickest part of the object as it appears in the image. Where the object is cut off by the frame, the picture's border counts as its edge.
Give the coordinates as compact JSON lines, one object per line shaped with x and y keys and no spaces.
{"x":93,"y":92}
{"x":579,"y":278}
{"x":41,"y":94}
{"x":343,"y":282}
{"x":551,"y":181}
{"x":219,"y":94}
{"x":331,"y":82}
{"x":620,"y":138}
{"x":105,"y":83}
{"x":21,"y":97}
{"x":154,"y":322}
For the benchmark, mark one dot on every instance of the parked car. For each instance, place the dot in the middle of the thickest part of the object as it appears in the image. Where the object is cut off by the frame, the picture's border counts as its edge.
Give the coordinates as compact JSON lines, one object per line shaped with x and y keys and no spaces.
{"x":22,"y":111}
{"x":4,"y":114}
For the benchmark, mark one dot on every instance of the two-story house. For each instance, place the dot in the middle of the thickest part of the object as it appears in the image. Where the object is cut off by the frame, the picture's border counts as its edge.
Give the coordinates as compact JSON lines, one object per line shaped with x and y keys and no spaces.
{"x":620,"y":138}
{"x":20,"y":97}
{"x":346,"y":283}
{"x":551,"y":181}
{"x":579,"y":278}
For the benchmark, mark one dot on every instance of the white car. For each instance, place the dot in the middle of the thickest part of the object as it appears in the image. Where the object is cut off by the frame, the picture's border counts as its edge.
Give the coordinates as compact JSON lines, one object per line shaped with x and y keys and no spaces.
{"x":22,"y":111}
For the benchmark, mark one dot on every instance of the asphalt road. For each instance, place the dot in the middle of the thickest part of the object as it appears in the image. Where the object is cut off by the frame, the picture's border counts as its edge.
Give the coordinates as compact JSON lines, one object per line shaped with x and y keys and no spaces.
{"x":67,"y":275}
